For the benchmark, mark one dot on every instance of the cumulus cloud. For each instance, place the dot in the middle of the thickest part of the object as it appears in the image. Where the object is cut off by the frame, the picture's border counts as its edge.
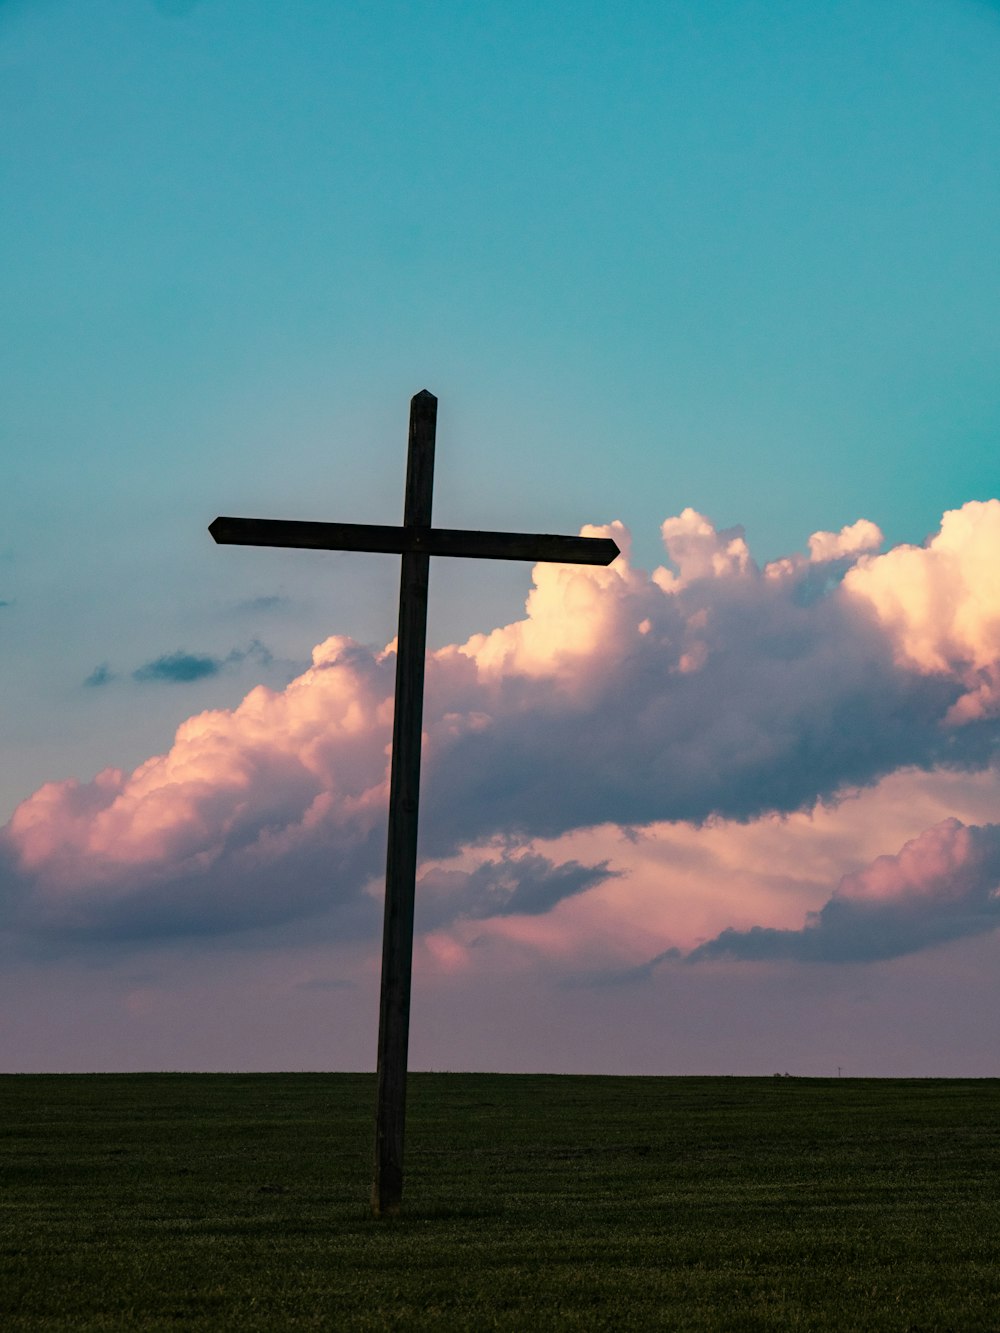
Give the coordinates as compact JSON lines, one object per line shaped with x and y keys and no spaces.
{"x":255,"y":815}
{"x":942,"y":885}
{"x":940,"y":605}
{"x":855,"y":539}
{"x":709,"y":688}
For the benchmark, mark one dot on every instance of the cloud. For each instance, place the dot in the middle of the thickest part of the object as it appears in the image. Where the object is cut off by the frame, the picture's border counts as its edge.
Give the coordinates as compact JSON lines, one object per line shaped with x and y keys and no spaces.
{"x":942,"y":885}
{"x":856,"y":539}
{"x":940,"y":605}
{"x":183,"y":667}
{"x":528,"y":884}
{"x":101,"y":675}
{"x":179,"y":667}
{"x":255,"y":816}
{"x":710,"y":688}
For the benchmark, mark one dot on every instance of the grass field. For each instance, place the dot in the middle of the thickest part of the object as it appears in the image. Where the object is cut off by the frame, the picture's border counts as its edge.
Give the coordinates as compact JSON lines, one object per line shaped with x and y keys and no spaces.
{"x":532,"y":1202}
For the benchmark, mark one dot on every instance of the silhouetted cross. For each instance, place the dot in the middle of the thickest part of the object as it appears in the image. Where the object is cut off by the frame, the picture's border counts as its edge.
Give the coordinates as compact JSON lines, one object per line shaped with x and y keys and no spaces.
{"x":416,"y":541}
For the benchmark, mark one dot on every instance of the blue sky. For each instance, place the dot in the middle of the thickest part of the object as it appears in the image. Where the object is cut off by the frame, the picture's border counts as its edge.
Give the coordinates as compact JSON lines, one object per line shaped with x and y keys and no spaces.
{"x":733,"y":256}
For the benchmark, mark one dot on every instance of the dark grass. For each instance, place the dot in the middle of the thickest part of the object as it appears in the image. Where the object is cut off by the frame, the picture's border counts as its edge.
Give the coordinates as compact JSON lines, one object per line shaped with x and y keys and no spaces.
{"x":240,"y":1202}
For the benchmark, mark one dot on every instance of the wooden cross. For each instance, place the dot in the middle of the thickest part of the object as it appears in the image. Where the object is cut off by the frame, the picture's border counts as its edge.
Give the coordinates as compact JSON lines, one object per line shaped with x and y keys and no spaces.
{"x":416,"y":541}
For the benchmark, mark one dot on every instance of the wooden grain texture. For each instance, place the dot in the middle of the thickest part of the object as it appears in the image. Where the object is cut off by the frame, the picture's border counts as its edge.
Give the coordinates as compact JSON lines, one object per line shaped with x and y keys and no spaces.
{"x":423,"y":539}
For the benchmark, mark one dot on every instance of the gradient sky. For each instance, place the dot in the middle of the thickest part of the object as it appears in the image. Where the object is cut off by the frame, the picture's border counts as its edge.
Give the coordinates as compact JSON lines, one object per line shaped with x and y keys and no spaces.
{"x":722,"y":272}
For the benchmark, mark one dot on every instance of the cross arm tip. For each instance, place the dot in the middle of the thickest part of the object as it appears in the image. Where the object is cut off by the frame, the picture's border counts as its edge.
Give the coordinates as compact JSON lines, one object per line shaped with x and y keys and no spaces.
{"x":221,"y":530}
{"x":424,"y":395}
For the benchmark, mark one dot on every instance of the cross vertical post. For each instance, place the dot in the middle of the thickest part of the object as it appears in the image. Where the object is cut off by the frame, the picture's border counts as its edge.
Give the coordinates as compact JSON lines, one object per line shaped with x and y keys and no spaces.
{"x":404,"y":800}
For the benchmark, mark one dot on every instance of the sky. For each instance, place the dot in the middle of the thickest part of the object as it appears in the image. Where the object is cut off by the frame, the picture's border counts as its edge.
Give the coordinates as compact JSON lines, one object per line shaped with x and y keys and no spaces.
{"x":717,"y":278}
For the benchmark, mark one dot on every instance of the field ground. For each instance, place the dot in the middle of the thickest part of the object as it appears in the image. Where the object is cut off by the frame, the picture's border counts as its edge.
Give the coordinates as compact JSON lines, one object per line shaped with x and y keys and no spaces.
{"x":532,"y":1202}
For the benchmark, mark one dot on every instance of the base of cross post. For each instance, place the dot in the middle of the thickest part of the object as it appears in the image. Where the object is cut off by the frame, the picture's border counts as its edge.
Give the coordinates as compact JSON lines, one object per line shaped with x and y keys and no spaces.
{"x":386,"y":1202}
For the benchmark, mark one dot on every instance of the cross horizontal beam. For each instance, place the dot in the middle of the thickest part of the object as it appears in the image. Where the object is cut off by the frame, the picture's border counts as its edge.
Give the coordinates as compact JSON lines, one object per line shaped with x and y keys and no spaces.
{"x":417,"y":540}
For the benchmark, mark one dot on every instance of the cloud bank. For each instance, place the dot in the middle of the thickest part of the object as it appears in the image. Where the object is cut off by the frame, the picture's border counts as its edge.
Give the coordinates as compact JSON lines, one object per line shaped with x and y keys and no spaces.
{"x":941,"y":886}
{"x":709,"y":688}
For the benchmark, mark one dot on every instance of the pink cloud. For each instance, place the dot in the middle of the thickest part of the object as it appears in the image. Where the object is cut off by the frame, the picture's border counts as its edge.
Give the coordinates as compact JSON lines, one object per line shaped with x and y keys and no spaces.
{"x":942,"y":885}
{"x":855,"y":539}
{"x":945,"y":863}
{"x":940,"y":604}
{"x":710,"y":689}
{"x":224,"y":827}
{"x":680,"y":885}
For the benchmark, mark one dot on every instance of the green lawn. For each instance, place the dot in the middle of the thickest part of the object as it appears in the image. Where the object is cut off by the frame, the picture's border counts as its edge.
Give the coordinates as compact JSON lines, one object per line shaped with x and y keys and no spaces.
{"x":241,"y":1202}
